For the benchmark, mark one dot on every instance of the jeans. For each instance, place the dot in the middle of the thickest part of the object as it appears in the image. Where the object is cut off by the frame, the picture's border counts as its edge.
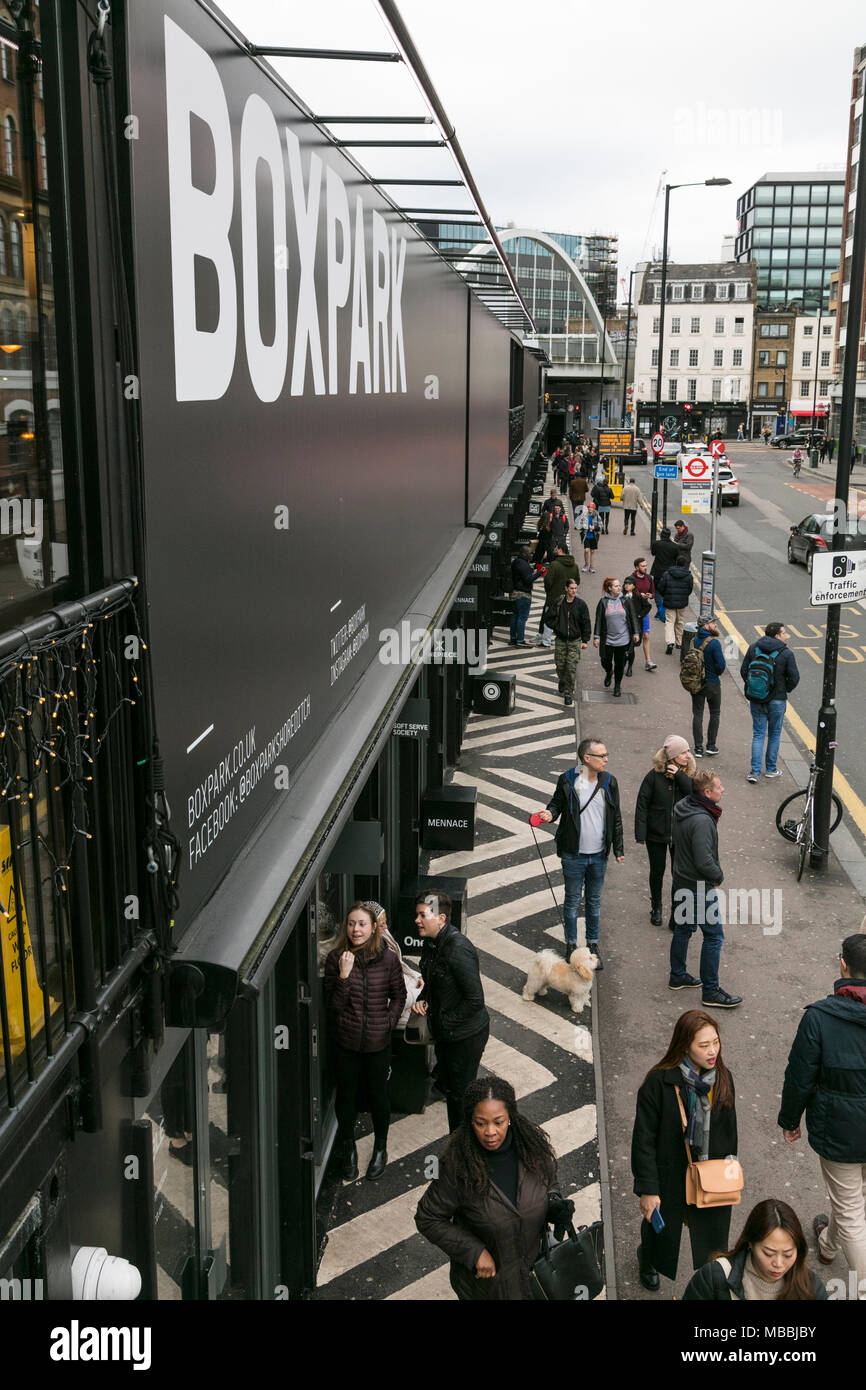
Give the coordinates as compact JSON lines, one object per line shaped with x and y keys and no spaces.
{"x":519,"y":616}
{"x":628,"y":512}
{"x":712,"y":694}
{"x":696,"y":905}
{"x":846,"y":1188}
{"x":583,"y":872}
{"x":766,"y":722}
{"x":457,"y":1065}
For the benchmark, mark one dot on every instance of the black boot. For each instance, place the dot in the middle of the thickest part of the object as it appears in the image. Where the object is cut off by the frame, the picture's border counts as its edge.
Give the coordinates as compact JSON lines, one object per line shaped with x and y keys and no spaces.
{"x":350,"y":1164}
{"x":648,"y":1276}
{"x":656,"y":915}
{"x":377,"y":1164}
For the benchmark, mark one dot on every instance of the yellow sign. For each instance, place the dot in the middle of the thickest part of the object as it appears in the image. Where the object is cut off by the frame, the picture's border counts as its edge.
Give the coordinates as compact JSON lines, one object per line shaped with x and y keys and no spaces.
{"x":614,"y":442}
{"x":11,"y":954}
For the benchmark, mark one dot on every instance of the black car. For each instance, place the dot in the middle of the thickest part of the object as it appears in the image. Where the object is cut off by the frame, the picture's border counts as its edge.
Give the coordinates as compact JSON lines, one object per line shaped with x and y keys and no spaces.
{"x":815,"y":532}
{"x":797,"y":439}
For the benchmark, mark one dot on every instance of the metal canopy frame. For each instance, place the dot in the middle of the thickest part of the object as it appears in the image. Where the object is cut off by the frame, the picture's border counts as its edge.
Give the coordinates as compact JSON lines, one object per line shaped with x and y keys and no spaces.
{"x":509,"y":306}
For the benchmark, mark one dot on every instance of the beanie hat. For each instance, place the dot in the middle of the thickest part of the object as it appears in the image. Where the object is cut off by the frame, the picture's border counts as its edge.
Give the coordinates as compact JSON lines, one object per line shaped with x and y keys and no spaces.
{"x":674,"y":745}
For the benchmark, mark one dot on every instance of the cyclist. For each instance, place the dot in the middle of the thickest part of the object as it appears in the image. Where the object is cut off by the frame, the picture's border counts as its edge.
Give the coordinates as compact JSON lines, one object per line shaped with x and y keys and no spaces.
{"x":797,"y":461}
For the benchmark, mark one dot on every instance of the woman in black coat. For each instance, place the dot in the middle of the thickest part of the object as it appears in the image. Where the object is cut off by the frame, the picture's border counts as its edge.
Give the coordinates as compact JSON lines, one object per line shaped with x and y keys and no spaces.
{"x":693,"y":1066}
{"x":493,"y":1199}
{"x":767,"y":1264}
{"x":669,"y":779}
{"x":364,"y":993}
{"x":614,"y":654}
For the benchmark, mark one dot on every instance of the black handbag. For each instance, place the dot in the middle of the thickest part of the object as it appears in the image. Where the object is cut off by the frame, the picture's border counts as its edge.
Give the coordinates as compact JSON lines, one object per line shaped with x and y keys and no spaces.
{"x":569,"y":1270}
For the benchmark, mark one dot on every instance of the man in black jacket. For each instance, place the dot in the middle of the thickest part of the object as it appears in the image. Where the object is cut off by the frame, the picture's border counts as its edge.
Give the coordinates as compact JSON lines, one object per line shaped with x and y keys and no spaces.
{"x":674,"y":587}
{"x":826,"y":1077}
{"x":696,"y":874}
{"x":768,"y":697}
{"x":572,"y":631}
{"x":587,"y":800}
{"x":453,"y":999}
{"x":523,"y":576}
{"x":664,"y":554}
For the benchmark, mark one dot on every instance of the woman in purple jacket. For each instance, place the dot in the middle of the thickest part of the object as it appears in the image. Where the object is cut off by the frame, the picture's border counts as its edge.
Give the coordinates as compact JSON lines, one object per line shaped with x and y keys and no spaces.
{"x":365,"y":993}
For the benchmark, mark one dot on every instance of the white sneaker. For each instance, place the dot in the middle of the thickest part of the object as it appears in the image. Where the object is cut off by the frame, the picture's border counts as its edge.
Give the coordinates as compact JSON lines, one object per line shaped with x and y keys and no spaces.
{"x":777,"y":773}
{"x":752,"y":776}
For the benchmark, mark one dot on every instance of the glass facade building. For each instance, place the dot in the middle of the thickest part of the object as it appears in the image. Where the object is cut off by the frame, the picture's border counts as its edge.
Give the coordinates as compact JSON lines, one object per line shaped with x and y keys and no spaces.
{"x":791,"y":225}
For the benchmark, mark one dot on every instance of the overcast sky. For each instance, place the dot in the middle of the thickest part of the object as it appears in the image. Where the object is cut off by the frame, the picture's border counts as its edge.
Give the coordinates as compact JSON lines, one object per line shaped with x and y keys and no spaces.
{"x":568,"y":112}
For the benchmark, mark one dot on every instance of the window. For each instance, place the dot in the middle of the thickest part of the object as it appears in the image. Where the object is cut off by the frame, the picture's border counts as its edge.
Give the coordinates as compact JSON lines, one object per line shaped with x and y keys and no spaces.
{"x":2,"y":246}
{"x":804,"y":388}
{"x":654,"y":361}
{"x":672,"y":390}
{"x":657,"y":291}
{"x":720,"y":325}
{"x":806,"y":359}
{"x":763,"y":389}
{"x":741,"y":289}
{"x":675,"y":357}
{"x":825,"y":359}
{"x":826,"y":330}
{"x":43,"y":161}
{"x":697,"y":291}
{"x":677,"y":291}
{"x":718,"y":357}
{"x":737,"y":357}
{"x":656,"y":323}
{"x":696,"y":325}
{"x":6,"y":67}
{"x":735,"y":388}
{"x":808,"y":330}
{"x":692,"y":393}
{"x":764,"y":358}
{"x":823,"y":388}
{"x":740,"y":326}
{"x":16,"y":258}
{"x":717,"y":388}
{"x":9,"y":147}
{"x":675,"y":324}
{"x":693,"y":357}
{"x":782,"y":357}
{"x":721,"y":289}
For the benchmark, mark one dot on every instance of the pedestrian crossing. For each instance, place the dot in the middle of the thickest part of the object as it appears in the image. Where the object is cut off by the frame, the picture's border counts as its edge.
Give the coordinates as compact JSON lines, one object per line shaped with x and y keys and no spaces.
{"x":545,"y":1051}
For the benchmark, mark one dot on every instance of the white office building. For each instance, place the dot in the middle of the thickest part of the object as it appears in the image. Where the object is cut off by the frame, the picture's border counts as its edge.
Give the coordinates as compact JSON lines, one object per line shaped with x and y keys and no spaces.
{"x":812,"y":368}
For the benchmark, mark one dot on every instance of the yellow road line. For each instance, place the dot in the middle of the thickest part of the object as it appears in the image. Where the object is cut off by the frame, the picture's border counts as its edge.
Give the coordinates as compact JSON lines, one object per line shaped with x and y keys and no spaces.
{"x":851,"y":801}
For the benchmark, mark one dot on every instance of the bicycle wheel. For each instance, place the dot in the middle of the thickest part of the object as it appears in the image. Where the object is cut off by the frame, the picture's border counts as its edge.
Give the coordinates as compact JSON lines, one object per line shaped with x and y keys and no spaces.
{"x":805,"y":844}
{"x":788,"y":826}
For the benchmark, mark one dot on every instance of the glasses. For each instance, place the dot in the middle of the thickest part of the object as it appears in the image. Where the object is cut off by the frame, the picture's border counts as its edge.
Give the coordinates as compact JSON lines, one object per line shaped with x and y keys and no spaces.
{"x":597,"y":755}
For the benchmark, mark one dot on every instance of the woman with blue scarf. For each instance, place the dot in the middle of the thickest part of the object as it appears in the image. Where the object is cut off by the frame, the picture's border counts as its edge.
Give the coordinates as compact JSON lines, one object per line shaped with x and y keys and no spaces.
{"x":691,"y":1071}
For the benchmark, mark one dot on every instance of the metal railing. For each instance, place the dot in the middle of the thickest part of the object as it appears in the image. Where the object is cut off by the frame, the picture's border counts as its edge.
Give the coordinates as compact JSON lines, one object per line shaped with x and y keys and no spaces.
{"x":516,"y":418}
{"x":70,"y":696}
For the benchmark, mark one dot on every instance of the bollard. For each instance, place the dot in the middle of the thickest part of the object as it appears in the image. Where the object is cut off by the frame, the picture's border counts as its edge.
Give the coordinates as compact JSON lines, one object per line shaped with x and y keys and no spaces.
{"x":813,"y":458}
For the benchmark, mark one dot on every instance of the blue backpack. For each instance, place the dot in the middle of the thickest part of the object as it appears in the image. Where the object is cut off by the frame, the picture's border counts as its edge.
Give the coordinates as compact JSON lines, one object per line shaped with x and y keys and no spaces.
{"x":761,"y":676}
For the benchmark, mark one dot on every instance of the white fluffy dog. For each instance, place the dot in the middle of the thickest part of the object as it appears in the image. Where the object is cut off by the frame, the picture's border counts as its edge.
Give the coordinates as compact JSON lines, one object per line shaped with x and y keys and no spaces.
{"x":572,"y":977}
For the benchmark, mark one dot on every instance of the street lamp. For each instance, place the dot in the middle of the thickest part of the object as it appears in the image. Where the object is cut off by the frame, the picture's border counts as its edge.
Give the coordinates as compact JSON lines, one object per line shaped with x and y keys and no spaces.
{"x":709,"y":183}
{"x":631,"y":276}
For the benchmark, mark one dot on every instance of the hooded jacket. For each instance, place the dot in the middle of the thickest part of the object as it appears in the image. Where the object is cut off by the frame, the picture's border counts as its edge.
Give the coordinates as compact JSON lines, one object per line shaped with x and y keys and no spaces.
{"x":602,"y":495}
{"x":565,"y":801}
{"x":695,"y":840}
{"x":664,"y":554}
{"x":675,"y":586}
{"x":653,"y":812}
{"x":712,"y":1285}
{"x":714,"y":658}
{"x":368,"y":1004}
{"x":787,"y":675}
{"x":600,"y":626}
{"x":523,"y":576}
{"x":826,"y":1075}
{"x":577,"y":489}
{"x":561,"y":569}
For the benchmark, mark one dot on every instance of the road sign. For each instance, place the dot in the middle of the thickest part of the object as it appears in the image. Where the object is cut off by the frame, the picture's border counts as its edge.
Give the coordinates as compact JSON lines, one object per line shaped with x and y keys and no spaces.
{"x":697,"y":496}
{"x":708,"y":583}
{"x":697,"y":470}
{"x":838,"y":576}
{"x":657,"y":443}
{"x":615,"y":442}
{"x":717,"y":448}
{"x":664,"y":470}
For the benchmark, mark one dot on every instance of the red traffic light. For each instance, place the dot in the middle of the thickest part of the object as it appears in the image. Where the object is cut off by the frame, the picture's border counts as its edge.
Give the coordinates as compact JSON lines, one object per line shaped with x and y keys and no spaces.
{"x":686,"y":407}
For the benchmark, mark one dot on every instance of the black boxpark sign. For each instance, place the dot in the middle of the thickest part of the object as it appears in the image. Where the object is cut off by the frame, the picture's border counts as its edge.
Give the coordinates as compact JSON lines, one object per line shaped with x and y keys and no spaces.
{"x":303,"y":365}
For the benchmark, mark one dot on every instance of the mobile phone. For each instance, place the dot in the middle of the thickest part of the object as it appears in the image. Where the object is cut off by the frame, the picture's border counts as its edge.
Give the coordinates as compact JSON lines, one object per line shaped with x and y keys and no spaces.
{"x":657,"y":1221}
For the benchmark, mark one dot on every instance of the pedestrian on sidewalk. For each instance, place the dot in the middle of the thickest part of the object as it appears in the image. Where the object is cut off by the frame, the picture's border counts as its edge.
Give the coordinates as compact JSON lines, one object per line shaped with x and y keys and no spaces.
{"x":644,"y":594}
{"x":590,"y":538}
{"x":631,"y":601}
{"x":364,"y":995}
{"x":586,"y":800}
{"x":544,"y":549}
{"x":769,"y":671}
{"x":693,"y":1074}
{"x":683,"y":539}
{"x":712,"y":665}
{"x":577,"y":490}
{"x":631,"y":499}
{"x":826,"y":1077}
{"x":675,"y":586}
{"x":523,"y":576}
{"x":831,"y":448}
{"x":616,"y":632}
{"x":825,"y":447}
{"x":667,"y":782}
{"x":452,"y":998}
{"x":571,"y":630}
{"x":696,"y":874}
{"x":767,"y":1263}
{"x":740,"y":435}
{"x":494,"y":1197}
{"x":664,"y":553}
{"x":562,"y":568}
{"x":602,"y":496}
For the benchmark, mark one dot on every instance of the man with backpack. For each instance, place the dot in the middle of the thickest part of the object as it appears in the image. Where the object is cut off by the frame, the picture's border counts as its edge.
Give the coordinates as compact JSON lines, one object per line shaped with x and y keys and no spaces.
{"x":701,"y":668}
{"x":770,"y":673}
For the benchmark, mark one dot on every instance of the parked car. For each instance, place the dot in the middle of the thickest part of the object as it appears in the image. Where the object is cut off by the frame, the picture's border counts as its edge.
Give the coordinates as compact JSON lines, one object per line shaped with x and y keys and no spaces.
{"x":802,"y":439}
{"x":815,"y":532}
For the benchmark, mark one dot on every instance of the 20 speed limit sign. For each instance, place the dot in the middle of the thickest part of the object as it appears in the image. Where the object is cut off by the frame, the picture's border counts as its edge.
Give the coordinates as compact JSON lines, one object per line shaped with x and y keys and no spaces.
{"x":657,"y":443}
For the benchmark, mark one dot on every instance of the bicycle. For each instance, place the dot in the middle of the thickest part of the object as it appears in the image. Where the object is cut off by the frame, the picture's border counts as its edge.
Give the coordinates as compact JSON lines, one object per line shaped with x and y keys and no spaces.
{"x":802,"y":832}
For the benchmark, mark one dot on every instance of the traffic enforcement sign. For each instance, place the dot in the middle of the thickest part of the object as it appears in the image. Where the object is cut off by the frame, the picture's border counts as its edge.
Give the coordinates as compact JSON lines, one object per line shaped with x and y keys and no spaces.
{"x":838,"y":576}
{"x":664,"y":470}
{"x":717,"y":448}
{"x":657,"y":443}
{"x":697,"y":469}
